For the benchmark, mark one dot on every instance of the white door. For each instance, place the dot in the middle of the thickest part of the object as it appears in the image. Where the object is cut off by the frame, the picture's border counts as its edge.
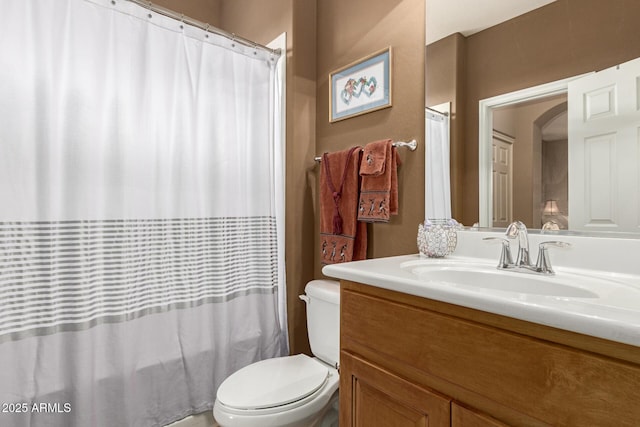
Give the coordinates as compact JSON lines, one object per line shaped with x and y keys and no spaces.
{"x":604,"y":154}
{"x":502,"y":180}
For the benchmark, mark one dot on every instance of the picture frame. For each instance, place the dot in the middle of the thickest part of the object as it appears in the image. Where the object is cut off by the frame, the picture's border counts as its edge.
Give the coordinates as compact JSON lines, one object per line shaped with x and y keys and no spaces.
{"x":361,"y":87}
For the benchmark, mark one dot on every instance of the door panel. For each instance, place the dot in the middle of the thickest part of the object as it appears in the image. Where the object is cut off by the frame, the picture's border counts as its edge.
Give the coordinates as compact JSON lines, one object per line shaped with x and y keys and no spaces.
{"x":502,"y":180}
{"x":604,"y":150}
{"x":463,"y":417}
{"x":373,"y":397}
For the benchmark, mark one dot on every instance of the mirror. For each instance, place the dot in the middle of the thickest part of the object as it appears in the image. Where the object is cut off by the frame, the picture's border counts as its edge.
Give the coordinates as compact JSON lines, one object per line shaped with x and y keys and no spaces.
{"x":523,"y":161}
{"x":544,"y":45}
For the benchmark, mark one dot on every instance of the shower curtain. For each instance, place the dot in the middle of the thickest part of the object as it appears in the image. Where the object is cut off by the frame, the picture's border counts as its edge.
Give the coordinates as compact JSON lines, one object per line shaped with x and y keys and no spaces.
{"x":141,"y":214}
{"x":437,"y":180}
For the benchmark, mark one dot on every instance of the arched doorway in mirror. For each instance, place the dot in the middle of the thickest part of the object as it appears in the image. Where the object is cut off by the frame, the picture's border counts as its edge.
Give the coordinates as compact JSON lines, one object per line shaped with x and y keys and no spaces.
{"x":532,"y":137}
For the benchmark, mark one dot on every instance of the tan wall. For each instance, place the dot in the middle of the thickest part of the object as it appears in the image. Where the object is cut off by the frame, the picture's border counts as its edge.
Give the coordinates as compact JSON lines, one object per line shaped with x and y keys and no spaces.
{"x":555,"y":174}
{"x":445,"y":83}
{"x":262,"y":21}
{"x":562,"y":39}
{"x":207,"y":11}
{"x":348,"y":31}
{"x":259,"y":21}
{"x":504,"y":121}
{"x":519,"y":122}
{"x":322,"y":36}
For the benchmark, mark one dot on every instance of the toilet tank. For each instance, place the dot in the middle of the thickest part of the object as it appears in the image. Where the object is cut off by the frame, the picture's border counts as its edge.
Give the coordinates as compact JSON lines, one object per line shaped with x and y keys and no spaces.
{"x":323,"y":319}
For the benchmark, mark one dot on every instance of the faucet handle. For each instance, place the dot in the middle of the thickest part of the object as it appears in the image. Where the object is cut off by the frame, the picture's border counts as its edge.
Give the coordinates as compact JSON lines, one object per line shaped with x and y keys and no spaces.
{"x":506,"y":261}
{"x":556,"y":243}
{"x":543,"y":265}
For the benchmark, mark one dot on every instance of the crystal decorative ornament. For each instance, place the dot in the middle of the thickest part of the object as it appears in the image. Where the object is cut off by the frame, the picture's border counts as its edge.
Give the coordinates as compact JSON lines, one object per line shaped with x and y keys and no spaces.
{"x":438,"y":237}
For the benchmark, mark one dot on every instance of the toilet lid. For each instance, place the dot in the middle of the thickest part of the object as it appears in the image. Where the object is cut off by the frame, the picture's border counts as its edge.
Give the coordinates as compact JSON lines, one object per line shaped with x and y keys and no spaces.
{"x":273,"y":382}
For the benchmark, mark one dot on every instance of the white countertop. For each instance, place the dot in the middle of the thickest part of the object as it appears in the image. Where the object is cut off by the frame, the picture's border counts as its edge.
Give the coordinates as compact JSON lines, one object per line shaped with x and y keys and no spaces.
{"x":614,"y":315}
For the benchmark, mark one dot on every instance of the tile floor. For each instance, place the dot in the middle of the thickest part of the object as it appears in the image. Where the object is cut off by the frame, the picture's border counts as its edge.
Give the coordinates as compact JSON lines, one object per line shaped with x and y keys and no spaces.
{"x":200,"y":420}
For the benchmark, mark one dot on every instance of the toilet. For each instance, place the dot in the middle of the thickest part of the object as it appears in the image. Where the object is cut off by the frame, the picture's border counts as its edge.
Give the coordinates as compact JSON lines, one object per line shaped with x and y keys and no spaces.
{"x":292,"y":391}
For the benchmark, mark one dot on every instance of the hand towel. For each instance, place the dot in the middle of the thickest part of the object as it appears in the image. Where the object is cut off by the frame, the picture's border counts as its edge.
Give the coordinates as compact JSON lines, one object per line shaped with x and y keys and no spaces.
{"x":374,"y":158}
{"x":379,"y":188}
{"x":342,"y":237}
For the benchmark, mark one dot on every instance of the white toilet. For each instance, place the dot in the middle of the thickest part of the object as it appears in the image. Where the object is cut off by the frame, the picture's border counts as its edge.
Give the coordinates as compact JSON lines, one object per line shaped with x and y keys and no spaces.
{"x":295,"y":390}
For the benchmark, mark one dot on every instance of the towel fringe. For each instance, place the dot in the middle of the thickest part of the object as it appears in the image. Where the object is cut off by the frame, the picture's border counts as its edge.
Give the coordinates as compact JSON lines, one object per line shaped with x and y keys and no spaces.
{"x":337,"y":218}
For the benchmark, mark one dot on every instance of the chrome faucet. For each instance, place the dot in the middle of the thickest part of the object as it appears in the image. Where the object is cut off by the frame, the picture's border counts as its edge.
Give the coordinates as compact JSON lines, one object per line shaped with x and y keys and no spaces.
{"x":543,"y":265}
{"x":518,"y":230}
{"x":505,"y":254}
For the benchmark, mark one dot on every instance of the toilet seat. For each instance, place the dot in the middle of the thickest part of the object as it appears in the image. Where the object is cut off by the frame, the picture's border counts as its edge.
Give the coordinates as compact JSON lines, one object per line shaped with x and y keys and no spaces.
{"x":273,"y":385}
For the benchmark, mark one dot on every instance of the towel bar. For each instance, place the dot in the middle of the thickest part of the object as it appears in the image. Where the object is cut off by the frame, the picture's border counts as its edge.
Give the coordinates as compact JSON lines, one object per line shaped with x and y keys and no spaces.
{"x":411,"y":145}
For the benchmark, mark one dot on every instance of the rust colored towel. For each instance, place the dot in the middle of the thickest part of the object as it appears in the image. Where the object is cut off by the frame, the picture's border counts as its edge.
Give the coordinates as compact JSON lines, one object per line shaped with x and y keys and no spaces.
{"x":342,"y":237}
{"x":374,"y":158}
{"x":379,"y":188}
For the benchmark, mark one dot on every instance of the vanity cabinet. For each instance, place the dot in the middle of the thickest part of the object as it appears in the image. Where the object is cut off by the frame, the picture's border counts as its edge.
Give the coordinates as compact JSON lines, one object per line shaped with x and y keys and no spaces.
{"x":465,"y":417}
{"x":411,"y":361}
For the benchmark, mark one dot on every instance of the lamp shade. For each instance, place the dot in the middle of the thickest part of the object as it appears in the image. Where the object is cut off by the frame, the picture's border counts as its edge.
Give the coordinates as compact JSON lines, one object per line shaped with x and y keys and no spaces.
{"x":550,"y":208}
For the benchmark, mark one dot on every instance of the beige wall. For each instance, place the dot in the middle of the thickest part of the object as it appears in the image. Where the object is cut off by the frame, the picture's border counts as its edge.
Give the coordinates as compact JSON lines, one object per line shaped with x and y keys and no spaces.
{"x":207,"y":11}
{"x":348,"y":31}
{"x":519,"y":121}
{"x":562,"y":39}
{"x":555,"y":175}
{"x":262,"y":21}
{"x":322,"y":36}
{"x":445,"y":83}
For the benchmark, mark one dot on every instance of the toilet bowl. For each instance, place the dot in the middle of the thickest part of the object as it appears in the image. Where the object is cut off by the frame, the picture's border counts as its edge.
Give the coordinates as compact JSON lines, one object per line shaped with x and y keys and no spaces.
{"x":252,"y":397}
{"x":291,"y":391}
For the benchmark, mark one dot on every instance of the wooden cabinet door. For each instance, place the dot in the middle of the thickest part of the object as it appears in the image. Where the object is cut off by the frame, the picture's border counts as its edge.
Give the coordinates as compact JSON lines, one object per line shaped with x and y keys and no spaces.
{"x":373,"y":397}
{"x":463,"y":417}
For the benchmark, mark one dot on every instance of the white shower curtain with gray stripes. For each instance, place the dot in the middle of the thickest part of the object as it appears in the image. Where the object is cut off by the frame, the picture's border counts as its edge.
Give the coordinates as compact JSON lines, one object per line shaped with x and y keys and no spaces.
{"x":141,"y":209}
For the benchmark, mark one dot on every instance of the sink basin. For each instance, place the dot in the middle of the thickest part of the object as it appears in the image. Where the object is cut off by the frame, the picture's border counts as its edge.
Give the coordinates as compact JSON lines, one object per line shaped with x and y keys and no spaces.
{"x":485,"y":277}
{"x":599,"y":303}
{"x":478,"y":277}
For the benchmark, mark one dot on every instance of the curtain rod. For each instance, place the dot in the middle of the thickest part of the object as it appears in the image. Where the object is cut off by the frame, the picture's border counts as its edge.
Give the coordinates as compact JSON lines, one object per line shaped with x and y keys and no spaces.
{"x":203,"y":26}
{"x":437,"y":112}
{"x":411,"y":145}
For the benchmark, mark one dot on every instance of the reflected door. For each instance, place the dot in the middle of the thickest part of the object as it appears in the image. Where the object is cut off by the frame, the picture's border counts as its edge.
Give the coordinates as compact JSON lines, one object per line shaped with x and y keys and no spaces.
{"x":604,"y":150}
{"x":502,"y":179}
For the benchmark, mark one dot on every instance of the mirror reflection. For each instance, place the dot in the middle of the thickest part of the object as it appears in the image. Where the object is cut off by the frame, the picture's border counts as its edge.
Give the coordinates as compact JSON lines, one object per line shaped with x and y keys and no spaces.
{"x":550,"y":42}
{"x":530,"y":163}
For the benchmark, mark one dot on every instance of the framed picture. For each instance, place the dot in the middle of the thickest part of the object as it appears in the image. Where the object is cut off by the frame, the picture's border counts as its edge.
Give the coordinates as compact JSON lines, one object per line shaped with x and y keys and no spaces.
{"x":361,"y":87}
